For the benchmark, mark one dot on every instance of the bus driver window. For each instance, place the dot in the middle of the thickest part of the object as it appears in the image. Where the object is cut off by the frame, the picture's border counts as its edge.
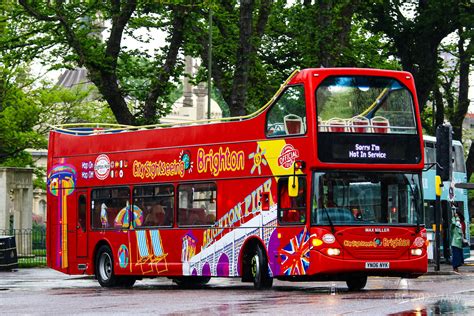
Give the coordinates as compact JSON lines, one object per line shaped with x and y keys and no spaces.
{"x":291,"y":210}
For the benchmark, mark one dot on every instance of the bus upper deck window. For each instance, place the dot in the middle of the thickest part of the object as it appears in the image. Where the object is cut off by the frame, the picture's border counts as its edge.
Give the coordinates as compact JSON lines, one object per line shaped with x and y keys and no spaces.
{"x":365,"y":104}
{"x":288,"y":115}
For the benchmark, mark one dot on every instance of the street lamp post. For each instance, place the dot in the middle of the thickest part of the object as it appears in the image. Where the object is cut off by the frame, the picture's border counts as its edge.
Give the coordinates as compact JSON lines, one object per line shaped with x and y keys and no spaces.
{"x":209,"y":66}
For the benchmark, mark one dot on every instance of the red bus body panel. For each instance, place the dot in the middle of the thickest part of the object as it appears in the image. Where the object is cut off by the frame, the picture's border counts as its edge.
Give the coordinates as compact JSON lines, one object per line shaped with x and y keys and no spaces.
{"x":222,"y":153}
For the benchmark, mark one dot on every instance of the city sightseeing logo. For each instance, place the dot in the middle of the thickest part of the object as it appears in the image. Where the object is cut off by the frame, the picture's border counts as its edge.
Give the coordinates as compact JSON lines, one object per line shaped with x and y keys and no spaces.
{"x":288,"y":156}
{"x":102,"y":167}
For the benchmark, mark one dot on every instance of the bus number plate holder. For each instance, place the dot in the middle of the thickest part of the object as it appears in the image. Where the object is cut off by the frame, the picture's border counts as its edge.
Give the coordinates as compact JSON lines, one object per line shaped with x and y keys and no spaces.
{"x":377,"y":265}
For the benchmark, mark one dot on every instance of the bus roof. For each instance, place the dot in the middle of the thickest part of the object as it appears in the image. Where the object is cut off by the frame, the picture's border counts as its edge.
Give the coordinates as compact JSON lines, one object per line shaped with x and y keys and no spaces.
{"x":432,"y":139}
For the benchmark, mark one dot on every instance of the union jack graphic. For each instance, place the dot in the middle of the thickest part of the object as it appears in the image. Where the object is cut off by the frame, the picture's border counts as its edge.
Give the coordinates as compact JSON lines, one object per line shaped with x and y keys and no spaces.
{"x":295,"y":255}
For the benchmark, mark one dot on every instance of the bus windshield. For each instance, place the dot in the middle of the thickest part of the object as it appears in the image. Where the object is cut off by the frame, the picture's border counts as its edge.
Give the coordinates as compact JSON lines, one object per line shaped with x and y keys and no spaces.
{"x":363,"y":104}
{"x":349,"y":198}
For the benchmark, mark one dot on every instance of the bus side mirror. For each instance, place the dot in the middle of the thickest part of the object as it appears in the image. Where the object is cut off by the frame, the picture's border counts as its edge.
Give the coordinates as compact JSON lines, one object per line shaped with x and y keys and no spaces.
{"x":293,"y":186}
{"x":293,"y":180}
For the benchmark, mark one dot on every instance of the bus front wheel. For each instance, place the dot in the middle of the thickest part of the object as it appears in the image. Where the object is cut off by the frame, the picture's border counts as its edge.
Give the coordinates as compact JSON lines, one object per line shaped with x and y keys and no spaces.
{"x":104,"y":267}
{"x":259,"y":270}
{"x":357,"y":283}
{"x":191,"y":281}
{"x":127,"y":282}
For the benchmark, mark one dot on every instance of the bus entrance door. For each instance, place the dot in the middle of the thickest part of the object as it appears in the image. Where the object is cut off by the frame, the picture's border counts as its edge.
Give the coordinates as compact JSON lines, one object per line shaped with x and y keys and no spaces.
{"x":81,"y":227}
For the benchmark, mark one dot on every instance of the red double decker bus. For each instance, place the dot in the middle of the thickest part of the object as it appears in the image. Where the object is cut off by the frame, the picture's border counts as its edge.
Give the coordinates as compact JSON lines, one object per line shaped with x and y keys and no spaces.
{"x":322,"y":183}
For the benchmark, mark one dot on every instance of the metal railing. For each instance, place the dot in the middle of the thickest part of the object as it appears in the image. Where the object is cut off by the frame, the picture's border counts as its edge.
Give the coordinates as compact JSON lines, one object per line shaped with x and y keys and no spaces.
{"x":30,"y":245}
{"x":102,"y":128}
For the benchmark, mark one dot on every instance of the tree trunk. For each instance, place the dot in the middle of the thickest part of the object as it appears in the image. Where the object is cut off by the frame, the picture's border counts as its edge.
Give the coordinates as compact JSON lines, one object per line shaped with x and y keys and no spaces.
{"x":422,"y":63}
{"x":463,"y":96}
{"x":163,"y":75}
{"x":241,"y":74}
{"x":107,"y":84}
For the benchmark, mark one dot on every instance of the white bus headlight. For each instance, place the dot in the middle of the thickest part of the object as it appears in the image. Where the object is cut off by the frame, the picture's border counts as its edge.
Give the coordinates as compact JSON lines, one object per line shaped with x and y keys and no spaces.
{"x":334,"y":251}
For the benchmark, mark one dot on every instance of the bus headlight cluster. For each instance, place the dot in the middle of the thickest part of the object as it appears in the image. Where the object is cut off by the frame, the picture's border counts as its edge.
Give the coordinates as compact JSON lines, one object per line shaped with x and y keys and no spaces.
{"x":416,"y":252}
{"x":334,"y":251}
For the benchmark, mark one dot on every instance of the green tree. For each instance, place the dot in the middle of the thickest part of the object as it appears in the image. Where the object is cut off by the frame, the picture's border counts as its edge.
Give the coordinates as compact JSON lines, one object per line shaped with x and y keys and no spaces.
{"x":470,"y":163}
{"x":450,"y":93}
{"x":238,"y":29}
{"x":72,"y":32}
{"x":415,"y":29}
{"x":18,"y":116}
{"x":61,"y":105}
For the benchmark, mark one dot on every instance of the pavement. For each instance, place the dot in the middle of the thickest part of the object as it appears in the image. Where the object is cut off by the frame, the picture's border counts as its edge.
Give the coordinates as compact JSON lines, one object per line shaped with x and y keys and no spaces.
{"x":446,"y":268}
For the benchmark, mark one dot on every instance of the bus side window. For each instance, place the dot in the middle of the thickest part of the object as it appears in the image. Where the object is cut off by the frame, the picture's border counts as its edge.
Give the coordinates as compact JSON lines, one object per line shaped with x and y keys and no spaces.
{"x":291,"y":210}
{"x":197,"y":204}
{"x":157,"y":204}
{"x":288,"y":115}
{"x":107,"y":204}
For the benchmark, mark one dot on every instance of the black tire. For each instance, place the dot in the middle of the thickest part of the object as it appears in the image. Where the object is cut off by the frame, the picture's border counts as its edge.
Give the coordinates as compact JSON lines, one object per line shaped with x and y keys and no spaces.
{"x":356,"y":283}
{"x":191,"y":281}
{"x":104,"y":268}
{"x":126,"y":282}
{"x":259,"y":270}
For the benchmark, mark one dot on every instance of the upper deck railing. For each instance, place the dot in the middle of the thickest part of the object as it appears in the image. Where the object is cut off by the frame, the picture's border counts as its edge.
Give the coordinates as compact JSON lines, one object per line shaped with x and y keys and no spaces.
{"x":105,"y":128}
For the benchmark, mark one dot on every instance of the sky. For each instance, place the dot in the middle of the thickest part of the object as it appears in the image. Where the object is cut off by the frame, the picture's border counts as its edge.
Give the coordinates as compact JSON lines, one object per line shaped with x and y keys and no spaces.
{"x":157,"y":40}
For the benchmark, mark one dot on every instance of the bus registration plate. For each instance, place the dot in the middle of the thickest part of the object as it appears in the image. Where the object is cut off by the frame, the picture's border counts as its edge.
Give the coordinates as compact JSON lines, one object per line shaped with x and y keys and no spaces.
{"x":377,"y":265}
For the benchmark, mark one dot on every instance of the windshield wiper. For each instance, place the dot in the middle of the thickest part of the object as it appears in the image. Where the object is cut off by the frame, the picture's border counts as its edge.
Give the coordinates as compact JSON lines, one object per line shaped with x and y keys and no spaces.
{"x":333,"y":230}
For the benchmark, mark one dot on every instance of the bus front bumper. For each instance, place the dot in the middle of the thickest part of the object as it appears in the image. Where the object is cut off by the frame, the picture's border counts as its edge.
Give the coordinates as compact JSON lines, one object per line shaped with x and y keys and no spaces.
{"x":323,"y":267}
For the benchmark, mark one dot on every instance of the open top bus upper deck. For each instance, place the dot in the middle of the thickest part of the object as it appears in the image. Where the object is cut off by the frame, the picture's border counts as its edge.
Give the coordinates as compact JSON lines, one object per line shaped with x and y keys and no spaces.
{"x":347,"y":116}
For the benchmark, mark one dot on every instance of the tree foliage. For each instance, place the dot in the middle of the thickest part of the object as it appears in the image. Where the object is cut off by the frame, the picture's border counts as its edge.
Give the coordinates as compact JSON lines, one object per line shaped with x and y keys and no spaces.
{"x":72,"y":34}
{"x":18,"y":116}
{"x":416,"y":29}
{"x":256,"y":44}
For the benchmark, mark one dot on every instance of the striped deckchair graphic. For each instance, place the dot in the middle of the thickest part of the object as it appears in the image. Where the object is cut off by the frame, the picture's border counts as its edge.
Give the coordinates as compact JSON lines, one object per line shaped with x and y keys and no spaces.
{"x":158,"y":252}
{"x":144,"y":257}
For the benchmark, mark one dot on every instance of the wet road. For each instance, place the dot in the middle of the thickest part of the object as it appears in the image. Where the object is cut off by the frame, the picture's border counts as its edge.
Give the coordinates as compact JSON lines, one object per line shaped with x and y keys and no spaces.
{"x":44,"y":291}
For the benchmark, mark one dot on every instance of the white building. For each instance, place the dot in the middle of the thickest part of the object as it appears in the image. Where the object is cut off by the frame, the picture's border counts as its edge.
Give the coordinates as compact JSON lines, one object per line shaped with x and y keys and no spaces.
{"x":193,"y":105}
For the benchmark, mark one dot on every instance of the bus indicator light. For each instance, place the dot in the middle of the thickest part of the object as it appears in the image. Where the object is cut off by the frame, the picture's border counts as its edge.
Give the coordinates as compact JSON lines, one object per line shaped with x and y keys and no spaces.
{"x":317,"y":242}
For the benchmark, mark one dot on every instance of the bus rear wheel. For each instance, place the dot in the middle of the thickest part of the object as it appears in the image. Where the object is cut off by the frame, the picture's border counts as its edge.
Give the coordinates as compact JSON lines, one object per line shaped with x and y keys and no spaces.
{"x":259,"y":270}
{"x":104,"y":268}
{"x":357,"y":283}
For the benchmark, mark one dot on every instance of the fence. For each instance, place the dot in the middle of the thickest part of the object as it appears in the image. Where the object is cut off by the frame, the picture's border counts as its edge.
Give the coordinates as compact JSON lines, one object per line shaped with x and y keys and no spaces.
{"x":30,"y":245}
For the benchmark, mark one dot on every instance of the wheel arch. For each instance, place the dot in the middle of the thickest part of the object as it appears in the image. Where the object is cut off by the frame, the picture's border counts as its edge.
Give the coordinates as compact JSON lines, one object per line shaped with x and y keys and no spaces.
{"x":102,"y":242}
{"x":245,"y":256}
